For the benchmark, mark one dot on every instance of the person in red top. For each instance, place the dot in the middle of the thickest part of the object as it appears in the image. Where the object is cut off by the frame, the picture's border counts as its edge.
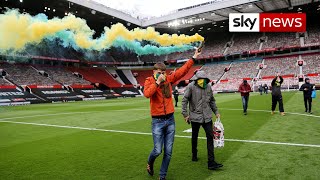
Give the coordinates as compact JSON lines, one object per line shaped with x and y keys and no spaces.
{"x":158,"y":88}
{"x":245,"y":90}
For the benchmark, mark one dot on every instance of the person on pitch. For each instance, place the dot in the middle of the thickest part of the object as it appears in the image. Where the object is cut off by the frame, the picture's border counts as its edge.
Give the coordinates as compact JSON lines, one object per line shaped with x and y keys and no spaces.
{"x":276,"y":94}
{"x":158,"y":88}
{"x":199,"y":96}
{"x":307,"y":89}
{"x":176,"y":96}
{"x":245,"y":90}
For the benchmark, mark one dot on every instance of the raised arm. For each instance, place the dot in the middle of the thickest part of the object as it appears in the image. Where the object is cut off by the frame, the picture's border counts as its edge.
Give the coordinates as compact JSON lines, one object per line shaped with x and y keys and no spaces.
{"x":273,"y":81}
{"x":281,"y":79}
{"x":182,"y":71}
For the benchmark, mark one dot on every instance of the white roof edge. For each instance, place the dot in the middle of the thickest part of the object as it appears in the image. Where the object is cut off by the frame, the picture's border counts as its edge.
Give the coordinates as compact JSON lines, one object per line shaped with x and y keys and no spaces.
{"x":107,"y":10}
{"x":169,"y":17}
{"x":196,"y":10}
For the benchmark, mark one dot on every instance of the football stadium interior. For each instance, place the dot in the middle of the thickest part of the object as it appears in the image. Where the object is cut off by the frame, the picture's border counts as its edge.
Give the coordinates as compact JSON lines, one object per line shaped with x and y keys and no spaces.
{"x":72,"y":79}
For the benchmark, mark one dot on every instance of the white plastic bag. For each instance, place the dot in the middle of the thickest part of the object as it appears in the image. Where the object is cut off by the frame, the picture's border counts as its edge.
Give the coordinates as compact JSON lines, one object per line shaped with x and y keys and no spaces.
{"x":218,"y":134}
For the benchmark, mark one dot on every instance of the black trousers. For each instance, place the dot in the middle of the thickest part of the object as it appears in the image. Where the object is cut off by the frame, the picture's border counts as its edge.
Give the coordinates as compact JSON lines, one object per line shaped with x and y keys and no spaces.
{"x":209,"y":133}
{"x":176,"y":99}
{"x":308,"y":100}
{"x":275,"y":100}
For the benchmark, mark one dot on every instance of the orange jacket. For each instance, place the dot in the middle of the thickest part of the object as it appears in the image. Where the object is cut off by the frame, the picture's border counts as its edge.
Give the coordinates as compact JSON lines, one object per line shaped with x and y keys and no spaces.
{"x":159,"y":104}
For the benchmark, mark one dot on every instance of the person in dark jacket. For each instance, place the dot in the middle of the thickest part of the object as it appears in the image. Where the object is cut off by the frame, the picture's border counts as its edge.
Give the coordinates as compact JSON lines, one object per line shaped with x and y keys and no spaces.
{"x":260,"y":89}
{"x":245,"y":90}
{"x":176,"y":95}
{"x":307,"y":91}
{"x":276,"y":94}
{"x":265,"y":87}
{"x":202,"y":104}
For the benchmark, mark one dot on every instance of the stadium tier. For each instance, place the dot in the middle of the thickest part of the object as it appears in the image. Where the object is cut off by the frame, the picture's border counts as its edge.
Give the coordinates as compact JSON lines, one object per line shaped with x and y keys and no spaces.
{"x":4,"y":82}
{"x":276,"y":40}
{"x":311,"y":64}
{"x":62,"y":75}
{"x":215,"y":71}
{"x":25,"y":75}
{"x":245,"y":41}
{"x":284,"y":66}
{"x":97,"y":75}
{"x":240,"y":70}
{"x":141,"y":75}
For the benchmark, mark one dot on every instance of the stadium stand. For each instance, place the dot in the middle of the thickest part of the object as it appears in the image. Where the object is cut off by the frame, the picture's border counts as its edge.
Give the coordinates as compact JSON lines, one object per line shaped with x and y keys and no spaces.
{"x":284,"y":66}
{"x":3,"y":82}
{"x":288,"y":82}
{"x":313,"y":36}
{"x":240,"y":70}
{"x":312,"y":64}
{"x":179,"y":55}
{"x":26,"y":75}
{"x":153,"y":58}
{"x":215,"y":71}
{"x":228,"y":85}
{"x":63,"y":76}
{"x":123,"y":77}
{"x":245,"y":42}
{"x":314,"y":79}
{"x":215,"y":45}
{"x":130,"y":76}
{"x":115,"y":75}
{"x":141,"y":75}
{"x":276,"y":40}
{"x":97,"y":75}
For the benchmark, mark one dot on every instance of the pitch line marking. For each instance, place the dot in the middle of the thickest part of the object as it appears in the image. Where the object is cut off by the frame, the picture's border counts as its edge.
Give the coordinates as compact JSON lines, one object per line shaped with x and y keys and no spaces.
{"x":143,"y":133}
{"x":257,"y":110}
{"x":71,"y":113}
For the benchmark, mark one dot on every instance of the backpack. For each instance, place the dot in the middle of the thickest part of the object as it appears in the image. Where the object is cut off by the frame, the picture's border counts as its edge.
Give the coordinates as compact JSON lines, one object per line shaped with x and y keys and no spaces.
{"x":218,"y":134}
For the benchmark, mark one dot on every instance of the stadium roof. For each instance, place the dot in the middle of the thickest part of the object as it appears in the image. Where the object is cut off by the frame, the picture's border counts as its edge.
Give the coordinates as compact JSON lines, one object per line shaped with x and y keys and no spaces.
{"x":185,"y":14}
{"x":208,"y":15}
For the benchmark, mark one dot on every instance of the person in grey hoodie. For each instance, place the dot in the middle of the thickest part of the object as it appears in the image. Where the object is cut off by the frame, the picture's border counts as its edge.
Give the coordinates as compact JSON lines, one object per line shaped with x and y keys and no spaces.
{"x":199,"y":96}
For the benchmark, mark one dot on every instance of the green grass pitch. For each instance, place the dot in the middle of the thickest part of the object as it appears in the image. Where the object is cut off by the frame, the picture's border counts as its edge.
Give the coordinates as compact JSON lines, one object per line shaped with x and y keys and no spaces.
{"x":30,"y":151}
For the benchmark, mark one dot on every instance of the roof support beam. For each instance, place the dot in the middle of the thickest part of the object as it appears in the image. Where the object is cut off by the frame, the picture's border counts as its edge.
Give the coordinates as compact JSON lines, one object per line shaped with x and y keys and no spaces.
{"x":259,"y":7}
{"x":235,"y":9}
{"x":290,"y":4}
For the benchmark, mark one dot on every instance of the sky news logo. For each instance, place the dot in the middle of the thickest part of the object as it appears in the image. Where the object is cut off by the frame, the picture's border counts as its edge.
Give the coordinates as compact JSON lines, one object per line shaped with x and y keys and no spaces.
{"x":267,"y":22}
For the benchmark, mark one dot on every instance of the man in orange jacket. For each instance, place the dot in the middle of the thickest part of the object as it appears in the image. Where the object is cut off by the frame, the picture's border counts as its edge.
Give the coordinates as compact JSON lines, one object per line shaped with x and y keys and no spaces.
{"x":159,"y":88}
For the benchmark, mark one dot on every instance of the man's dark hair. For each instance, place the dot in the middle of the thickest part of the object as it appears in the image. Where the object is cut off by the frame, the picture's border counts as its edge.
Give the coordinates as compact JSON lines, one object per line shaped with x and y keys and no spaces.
{"x":160,"y":66}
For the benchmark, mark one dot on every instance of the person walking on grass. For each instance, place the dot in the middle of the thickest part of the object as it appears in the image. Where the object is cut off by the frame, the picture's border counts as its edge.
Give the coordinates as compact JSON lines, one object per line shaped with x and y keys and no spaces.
{"x":199,"y":96}
{"x":176,"y":96}
{"x":158,"y":88}
{"x":276,"y":94}
{"x":266,"y":88}
{"x":307,"y":89}
{"x":260,"y":89}
{"x":245,"y":90}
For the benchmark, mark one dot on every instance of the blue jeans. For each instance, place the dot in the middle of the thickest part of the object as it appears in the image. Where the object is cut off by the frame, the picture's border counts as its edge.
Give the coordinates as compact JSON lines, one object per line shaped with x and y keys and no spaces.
{"x":245,"y":101}
{"x":163,"y":131}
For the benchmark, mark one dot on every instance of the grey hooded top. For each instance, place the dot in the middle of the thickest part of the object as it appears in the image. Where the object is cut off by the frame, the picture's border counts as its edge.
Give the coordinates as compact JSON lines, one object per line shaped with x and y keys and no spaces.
{"x":201,"y":101}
